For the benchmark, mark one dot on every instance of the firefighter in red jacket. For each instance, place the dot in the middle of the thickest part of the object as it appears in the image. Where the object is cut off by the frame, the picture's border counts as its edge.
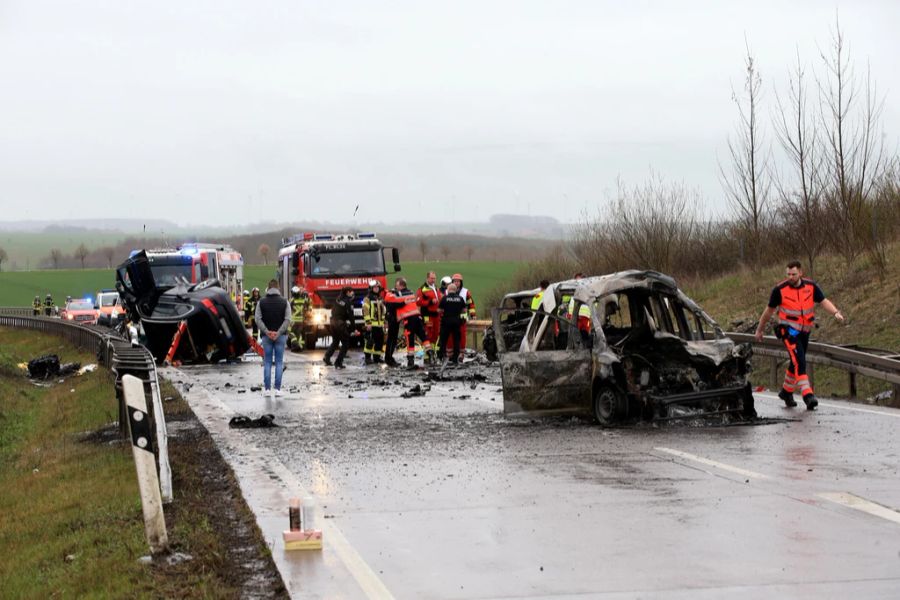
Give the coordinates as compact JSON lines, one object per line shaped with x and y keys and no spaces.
{"x":795,"y":299}
{"x":429,"y":297}
{"x":408,"y":313}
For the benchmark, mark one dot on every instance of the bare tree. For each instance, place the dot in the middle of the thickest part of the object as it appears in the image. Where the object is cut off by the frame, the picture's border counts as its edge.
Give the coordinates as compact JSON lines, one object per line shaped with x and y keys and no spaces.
{"x":264,"y":251}
{"x":445,"y":251}
{"x":747,"y":183}
{"x":55,"y":257}
{"x":800,"y":192}
{"x":469,"y":251}
{"x":3,"y":256}
{"x":81,"y":252}
{"x":856,"y":158}
{"x":108,"y":253}
{"x":423,"y":249}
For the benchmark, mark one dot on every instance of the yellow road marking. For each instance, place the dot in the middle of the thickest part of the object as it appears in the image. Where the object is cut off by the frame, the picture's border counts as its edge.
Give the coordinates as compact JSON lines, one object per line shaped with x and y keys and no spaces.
{"x":861,"y":504}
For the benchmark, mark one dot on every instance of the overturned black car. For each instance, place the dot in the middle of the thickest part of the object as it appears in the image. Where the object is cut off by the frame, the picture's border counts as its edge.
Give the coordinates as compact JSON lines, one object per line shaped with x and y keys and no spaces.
{"x":184,"y":322}
{"x":622,"y":347}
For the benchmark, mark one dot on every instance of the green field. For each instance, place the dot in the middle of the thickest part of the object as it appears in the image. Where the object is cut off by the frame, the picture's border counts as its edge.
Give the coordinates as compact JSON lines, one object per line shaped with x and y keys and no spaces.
{"x":26,"y":250}
{"x":19,"y":288}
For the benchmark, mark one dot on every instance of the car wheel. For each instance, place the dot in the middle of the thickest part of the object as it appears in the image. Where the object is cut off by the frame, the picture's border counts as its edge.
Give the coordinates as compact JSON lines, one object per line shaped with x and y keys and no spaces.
{"x":609,"y":405}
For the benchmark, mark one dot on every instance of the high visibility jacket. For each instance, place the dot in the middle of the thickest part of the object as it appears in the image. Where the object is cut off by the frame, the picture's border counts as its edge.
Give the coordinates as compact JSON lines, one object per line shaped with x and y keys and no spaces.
{"x":374,"y":311}
{"x":299,"y":306}
{"x":797,"y":308}
{"x":426,"y":295}
{"x":250,"y":308}
{"x":536,"y":301}
{"x":36,"y":304}
{"x":466,"y":295}
{"x":406,"y":302}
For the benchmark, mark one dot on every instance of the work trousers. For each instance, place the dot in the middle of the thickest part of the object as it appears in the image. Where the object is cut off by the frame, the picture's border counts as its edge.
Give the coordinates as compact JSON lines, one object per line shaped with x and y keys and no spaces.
{"x":414,"y":328}
{"x":450,"y":329}
{"x":295,"y":335}
{"x":374,"y":342}
{"x":795,"y":378}
{"x":432,"y":324}
{"x":340,"y":334}
{"x":393,"y":330}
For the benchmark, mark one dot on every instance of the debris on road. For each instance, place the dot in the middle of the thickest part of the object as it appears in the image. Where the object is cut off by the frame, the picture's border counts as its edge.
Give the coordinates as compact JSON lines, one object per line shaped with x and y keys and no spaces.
{"x":242,"y":422}
{"x":416,"y":390}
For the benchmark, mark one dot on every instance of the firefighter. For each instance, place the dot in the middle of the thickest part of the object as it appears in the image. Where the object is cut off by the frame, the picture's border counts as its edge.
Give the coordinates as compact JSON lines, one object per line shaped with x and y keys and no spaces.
{"x":794,"y":299}
{"x":374,"y":313}
{"x":36,"y":306}
{"x":299,"y":308}
{"x":408,"y":313}
{"x":454,"y":309}
{"x":470,"y":311}
{"x":48,"y":305}
{"x":393,"y":324}
{"x":341,"y":324}
{"x":539,"y":297}
{"x":250,"y":312}
{"x":428,"y":298}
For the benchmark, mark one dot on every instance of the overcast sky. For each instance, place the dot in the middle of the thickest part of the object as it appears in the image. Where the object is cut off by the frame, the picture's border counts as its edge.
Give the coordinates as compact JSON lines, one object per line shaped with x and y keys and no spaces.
{"x":234,"y":112}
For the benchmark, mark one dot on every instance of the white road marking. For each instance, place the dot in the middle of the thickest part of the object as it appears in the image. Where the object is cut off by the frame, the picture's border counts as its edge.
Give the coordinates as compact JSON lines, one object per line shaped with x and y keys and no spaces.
{"x":857,"y":503}
{"x":712,"y":463}
{"x":896,"y":415}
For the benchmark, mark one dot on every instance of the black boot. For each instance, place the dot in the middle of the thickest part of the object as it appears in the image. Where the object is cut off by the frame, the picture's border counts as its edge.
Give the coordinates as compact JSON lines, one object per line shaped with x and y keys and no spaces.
{"x":368,"y":359}
{"x":327,"y":360}
{"x":376,"y":359}
{"x":411,"y":362}
{"x":810,"y":401}
{"x":389,"y":361}
{"x":788,"y":398}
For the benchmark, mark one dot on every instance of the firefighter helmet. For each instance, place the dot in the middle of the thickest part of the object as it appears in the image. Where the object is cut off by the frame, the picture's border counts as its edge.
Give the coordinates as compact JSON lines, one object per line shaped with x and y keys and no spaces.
{"x":246,"y":293}
{"x":256,"y":289}
{"x":49,"y":296}
{"x":295,"y":290}
{"x":446,"y":280}
{"x":457,"y":276}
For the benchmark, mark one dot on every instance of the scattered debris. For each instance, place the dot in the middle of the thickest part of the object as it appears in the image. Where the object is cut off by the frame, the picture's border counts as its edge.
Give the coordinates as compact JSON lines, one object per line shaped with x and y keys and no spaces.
{"x":87,"y":369}
{"x":416,"y":390}
{"x":242,"y":422}
{"x":48,"y":366}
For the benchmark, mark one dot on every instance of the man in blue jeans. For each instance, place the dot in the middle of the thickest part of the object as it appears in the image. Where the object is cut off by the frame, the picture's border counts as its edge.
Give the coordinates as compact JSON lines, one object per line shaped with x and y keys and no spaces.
{"x":273,"y":316}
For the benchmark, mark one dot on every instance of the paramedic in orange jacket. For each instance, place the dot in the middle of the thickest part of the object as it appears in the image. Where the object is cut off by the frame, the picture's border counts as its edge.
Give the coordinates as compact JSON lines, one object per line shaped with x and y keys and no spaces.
{"x":429,"y":297}
{"x":794,"y":300}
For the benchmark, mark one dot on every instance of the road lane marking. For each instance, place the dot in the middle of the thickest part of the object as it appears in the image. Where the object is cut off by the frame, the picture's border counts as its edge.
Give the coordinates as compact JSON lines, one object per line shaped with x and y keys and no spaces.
{"x":857,"y":503}
{"x":366,"y":578}
{"x":712,"y":463}
{"x":896,"y":415}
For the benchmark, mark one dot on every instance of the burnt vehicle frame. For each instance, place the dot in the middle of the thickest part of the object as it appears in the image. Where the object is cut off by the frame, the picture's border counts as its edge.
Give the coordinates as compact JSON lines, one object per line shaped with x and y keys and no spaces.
{"x":643,"y":350}
{"x":182,"y":322}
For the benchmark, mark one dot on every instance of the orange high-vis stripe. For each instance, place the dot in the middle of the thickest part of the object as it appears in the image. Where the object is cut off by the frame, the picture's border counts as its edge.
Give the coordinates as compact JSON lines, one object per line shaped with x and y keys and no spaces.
{"x":797,"y":308}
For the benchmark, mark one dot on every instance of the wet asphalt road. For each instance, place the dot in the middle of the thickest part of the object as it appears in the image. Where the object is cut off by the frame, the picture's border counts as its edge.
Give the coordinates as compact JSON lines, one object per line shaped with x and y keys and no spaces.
{"x":441,"y":496}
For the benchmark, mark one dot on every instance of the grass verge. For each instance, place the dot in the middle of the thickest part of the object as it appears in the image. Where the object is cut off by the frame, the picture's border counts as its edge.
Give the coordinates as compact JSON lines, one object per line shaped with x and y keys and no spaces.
{"x":70,"y":513}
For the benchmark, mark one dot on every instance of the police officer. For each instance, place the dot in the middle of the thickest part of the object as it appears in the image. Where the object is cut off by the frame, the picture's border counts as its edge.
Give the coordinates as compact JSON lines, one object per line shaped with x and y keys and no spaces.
{"x":299,"y":308}
{"x":341,"y":324}
{"x":454,"y":307}
{"x":374,"y":313}
{"x":36,"y":306}
{"x":48,"y":305}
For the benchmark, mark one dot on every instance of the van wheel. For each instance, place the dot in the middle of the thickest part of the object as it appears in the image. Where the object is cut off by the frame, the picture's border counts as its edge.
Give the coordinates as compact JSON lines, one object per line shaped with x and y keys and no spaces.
{"x":609,"y":405}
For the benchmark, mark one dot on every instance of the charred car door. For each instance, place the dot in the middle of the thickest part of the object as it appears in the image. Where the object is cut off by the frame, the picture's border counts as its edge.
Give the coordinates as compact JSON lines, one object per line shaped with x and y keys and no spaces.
{"x":540,"y":376}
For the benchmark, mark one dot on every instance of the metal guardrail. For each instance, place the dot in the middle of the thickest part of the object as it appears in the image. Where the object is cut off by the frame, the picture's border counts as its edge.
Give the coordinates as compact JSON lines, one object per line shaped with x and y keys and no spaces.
{"x":121,"y":358}
{"x":877,"y":364}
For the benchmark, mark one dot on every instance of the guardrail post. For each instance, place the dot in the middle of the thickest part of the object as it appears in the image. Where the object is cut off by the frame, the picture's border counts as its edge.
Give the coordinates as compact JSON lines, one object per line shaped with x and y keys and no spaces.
{"x":775,"y":383}
{"x":851,"y":385}
{"x":145,"y":463}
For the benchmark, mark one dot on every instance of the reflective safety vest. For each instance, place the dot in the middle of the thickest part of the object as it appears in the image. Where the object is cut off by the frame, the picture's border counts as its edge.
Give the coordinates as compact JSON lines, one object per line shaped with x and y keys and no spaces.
{"x":374,"y":311}
{"x":797,"y":308}
{"x":536,"y":301}
{"x":299,"y":306}
{"x":406,"y":303}
{"x":36,"y":304}
{"x":469,"y":313}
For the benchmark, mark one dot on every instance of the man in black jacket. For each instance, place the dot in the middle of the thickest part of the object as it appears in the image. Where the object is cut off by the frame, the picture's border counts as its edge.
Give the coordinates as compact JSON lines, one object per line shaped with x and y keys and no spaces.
{"x":273,"y":316}
{"x":453,"y":306}
{"x":393,"y":324}
{"x":341,"y":324}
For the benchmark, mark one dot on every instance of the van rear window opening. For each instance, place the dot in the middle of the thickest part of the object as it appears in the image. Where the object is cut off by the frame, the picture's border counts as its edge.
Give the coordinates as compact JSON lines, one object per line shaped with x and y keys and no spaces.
{"x":366,"y":262}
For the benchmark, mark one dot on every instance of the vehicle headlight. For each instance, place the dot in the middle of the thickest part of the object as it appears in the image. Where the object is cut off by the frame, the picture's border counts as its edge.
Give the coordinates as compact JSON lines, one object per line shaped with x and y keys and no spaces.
{"x":319,"y":316}
{"x":70,"y":316}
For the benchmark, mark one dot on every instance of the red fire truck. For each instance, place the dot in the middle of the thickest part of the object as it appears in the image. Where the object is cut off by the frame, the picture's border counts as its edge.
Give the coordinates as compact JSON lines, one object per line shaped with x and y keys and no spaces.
{"x":323,"y":263}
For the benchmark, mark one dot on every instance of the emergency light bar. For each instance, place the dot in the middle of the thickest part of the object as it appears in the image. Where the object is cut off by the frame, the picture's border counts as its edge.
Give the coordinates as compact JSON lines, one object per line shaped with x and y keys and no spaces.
{"x":323,"y":236}
{"x":365,"y":236}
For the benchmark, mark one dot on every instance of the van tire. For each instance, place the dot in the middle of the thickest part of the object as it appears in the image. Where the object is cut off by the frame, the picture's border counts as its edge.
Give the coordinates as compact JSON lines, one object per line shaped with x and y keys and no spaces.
{"x":609,"y":406}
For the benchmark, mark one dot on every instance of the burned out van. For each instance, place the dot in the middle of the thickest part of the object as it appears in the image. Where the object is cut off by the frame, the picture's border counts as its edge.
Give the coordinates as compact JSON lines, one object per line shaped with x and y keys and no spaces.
{"x":624,"y":346}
